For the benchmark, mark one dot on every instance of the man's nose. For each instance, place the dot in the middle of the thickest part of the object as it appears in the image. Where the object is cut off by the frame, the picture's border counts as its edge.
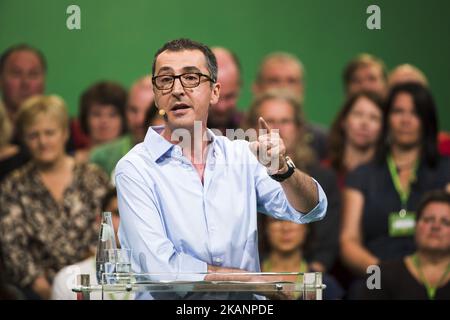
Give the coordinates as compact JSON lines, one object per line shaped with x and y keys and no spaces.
{"x":177,"y":87}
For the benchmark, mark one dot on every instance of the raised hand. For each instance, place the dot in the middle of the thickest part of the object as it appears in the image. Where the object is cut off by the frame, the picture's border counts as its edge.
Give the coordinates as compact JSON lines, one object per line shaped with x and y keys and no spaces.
{"x":269,"y":148}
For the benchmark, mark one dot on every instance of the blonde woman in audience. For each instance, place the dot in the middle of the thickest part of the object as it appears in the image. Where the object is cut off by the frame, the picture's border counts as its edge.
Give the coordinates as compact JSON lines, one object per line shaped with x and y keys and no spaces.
{"x":49,"y":206}
{"x":406,"y":73}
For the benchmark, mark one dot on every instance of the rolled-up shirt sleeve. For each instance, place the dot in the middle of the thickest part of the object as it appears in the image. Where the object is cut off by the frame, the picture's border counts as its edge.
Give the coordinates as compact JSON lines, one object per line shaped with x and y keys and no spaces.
{"x":142,"y":228}
{"x":272,"y":200}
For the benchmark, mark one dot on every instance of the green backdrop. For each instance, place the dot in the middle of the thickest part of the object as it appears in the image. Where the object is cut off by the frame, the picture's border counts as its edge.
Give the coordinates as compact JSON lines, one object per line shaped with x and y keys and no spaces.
{"x":118,"y":38}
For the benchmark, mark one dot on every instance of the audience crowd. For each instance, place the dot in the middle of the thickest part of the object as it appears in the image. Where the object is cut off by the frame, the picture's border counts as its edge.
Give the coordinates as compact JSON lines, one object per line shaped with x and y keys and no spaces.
{"x":383,"y":163}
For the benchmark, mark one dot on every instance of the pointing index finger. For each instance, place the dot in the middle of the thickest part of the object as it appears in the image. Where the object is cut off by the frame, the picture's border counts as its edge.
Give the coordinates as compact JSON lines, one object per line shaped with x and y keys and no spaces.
{"x":263,"y":125}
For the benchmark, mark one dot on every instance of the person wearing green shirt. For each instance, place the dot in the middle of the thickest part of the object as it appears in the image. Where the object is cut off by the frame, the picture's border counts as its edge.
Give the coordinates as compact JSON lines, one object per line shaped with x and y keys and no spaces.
{"x":107,"y":155}
{"x":139,"y":115}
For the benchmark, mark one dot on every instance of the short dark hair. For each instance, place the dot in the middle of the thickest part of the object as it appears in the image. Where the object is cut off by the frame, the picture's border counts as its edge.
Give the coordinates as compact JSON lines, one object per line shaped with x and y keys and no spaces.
{"x":188,"y":44}
{"x":107,"y":198}
{"x":426,"y":111}
{"x":21,"y":47}
{"x":358,"y":62}
{"x":275,"y":94}
{"x":105,"y":93}
{"x":432,"y":196}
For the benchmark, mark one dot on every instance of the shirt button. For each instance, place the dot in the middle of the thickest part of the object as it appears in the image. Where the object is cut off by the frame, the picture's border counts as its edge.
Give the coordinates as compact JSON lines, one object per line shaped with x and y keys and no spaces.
{"x":218,"y":260}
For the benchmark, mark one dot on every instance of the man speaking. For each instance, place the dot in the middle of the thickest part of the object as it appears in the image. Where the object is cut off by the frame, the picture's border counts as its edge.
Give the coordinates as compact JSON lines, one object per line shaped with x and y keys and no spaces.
{"x":188,"y":201}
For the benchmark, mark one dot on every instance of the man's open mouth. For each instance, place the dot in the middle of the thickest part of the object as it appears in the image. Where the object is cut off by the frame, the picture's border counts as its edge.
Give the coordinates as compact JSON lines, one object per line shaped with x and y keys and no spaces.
{"x":180,"y":107}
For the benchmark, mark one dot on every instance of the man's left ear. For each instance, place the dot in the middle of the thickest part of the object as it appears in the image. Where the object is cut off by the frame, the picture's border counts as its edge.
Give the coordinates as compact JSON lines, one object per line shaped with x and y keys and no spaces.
{"x":215,"y":94}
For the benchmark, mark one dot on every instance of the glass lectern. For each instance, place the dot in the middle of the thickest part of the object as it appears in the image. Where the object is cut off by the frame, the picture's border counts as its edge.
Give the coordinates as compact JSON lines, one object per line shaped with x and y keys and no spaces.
{"x":263,"y":285}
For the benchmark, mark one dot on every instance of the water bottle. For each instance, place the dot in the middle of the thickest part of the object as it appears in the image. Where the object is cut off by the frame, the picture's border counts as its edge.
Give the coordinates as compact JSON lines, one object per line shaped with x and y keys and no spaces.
{"x":106,"y":241}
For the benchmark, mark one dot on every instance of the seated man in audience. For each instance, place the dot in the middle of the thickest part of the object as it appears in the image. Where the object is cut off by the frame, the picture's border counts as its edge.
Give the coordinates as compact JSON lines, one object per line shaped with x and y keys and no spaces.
{"x":22,"y":75}
{"x":224,"y":115}
{"x":365,"y":73}
{"x":285,"y":71}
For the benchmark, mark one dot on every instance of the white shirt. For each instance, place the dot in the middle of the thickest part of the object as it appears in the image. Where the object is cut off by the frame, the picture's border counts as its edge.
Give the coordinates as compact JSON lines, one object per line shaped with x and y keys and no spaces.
{"x":174,"y":223}
{"x":66,"y":279}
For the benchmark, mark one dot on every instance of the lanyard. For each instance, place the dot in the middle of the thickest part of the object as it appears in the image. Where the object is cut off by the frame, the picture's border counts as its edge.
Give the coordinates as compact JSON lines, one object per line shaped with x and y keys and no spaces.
{"x":403,"y":194}
{"x":431,"y":290}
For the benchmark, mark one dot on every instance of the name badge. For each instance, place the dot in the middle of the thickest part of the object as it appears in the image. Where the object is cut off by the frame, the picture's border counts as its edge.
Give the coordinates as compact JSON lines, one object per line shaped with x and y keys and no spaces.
{"x":402,"y":224}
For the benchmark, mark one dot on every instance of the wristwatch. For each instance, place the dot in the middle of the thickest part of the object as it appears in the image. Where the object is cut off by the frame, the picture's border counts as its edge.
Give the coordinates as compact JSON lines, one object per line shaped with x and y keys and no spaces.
{"x":288,"y":173}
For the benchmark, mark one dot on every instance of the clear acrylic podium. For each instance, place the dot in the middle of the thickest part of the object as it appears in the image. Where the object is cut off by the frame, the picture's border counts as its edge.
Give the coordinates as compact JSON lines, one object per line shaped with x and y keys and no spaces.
{"x":263,"y":285}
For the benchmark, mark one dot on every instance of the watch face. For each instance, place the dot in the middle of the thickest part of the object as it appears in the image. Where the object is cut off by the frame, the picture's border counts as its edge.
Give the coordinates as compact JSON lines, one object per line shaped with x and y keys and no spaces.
{"x":290,"y":163}
{"x":284,"y":176}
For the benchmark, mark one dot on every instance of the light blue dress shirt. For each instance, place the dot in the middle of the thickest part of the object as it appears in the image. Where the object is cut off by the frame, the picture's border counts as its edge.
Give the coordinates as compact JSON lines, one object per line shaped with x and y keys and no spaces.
{"x":174,"y":223}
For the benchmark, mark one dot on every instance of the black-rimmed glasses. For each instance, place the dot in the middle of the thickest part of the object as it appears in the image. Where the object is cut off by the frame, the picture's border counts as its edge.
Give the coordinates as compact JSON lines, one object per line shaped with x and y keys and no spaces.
{"x":188,"y":80}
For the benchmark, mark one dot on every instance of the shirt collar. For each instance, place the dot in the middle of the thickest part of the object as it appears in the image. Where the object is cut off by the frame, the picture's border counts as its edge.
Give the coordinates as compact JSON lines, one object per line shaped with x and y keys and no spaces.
{"x":158,"y":146}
